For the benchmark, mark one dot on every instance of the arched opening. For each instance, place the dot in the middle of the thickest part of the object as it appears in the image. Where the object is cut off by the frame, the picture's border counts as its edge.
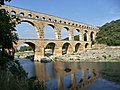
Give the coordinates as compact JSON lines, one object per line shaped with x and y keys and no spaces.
{"x":76,"y":35}
{"x":86,"y":45}
{"x":49,"y":32}
{"x":65,"y":48}
{"x":21,"y":14}
{"x":36,"y":17}
{"x":25,"y":50}
{"x":65,"y":33}
{"x":85,"y":36}
{"x":77,"y":47}
{"x":13,"y":13}
{"x":29,"y":15}
{"x":92,"y":36}
{"x":26,"y":30}
{"x":49,"y":49}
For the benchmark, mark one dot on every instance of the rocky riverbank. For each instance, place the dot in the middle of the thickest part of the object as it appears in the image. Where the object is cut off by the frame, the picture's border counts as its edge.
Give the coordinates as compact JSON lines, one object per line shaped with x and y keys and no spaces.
{"x":97,"y":55}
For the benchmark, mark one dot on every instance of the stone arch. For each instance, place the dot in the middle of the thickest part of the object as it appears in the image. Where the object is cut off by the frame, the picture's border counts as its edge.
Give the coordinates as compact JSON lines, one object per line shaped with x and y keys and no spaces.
{"x":66,"y":48}
{"x":65,"y":33}
{"x":13,"y":12}
{"x":49,"y":32}
{"x":21,"y":14}
{"x":77,"y":47}
{"x":27,"y":32}
{"x":28,"y":54}
{"x":33,"y":45}
{"x":29,"y":15}
{"x":49,"y":49}
{"x":92,"y":36}
{"x":86,"y":45}
{"x":76,"y":35}
{"x":85,"y":35}
{"x":36,"y":17}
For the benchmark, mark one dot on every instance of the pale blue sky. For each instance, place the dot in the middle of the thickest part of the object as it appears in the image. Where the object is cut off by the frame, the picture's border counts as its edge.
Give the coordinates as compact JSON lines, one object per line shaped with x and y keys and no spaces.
{"x":93,"y":12}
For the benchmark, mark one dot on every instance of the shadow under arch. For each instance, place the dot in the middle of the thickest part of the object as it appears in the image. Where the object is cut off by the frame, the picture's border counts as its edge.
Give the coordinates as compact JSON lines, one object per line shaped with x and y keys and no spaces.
{"x":77,"y":47}
{"x":66,"y":48}
{"x":86,"y":45}
{"x":92,"y":36}
{"x":49,"y":49}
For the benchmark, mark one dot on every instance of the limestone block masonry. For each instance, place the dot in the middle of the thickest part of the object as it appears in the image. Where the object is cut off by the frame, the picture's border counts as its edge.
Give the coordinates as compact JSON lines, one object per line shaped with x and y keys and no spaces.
{"x":40,"y":20}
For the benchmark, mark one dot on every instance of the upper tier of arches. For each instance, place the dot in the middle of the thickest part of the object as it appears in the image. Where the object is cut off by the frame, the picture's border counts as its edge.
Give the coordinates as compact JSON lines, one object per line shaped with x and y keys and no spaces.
{"x":45,"y":17}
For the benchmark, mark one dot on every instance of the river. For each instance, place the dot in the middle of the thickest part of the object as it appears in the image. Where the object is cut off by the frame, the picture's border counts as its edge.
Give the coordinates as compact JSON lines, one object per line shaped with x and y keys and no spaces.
{"x":50,"y":72}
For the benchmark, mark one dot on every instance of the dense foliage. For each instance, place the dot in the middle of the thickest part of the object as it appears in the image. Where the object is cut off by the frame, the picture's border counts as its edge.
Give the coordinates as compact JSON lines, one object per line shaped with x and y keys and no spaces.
{"x":12,"y":75}
{"x":25,"y":48}
{"x":109,"y":34}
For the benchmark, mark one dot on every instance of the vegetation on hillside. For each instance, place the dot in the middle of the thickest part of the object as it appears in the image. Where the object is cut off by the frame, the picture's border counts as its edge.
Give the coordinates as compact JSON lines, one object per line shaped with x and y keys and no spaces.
{"x":109,"y":34}
{"x":25,"y":48}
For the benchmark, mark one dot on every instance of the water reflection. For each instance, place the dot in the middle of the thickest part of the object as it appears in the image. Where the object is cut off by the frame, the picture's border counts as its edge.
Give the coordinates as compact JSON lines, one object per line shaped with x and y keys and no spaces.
{"x":56,"y":77}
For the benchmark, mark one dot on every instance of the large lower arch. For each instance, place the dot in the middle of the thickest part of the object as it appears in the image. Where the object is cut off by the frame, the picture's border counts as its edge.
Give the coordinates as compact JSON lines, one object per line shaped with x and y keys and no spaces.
{"x":66,"y":48}
{"x":28,"y":53}
{"x":77,"y":47}
{"x":49,"y":49}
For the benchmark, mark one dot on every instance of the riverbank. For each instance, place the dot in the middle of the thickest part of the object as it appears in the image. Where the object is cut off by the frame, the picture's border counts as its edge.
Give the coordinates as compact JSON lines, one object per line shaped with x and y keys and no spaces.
{"x":109,"y":54}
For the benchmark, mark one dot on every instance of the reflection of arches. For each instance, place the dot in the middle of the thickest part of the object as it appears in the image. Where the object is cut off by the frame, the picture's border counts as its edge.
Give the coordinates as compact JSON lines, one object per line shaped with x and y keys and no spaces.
{"x":26,"y":30}
{"x":92,"y":36}
{"x":77,"y":47}
{"x":66,"y":48}
{"x":76,"y":35}
{"x":85,"y":36}
{"x":50,"y":48}
{"x":49,"y":32}
{"x":65,"y":33}
{"x":86,"y":45}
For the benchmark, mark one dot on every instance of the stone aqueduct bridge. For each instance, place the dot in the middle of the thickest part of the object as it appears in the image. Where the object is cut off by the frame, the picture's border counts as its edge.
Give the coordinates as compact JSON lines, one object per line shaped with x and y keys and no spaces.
{"x":86,"y":32}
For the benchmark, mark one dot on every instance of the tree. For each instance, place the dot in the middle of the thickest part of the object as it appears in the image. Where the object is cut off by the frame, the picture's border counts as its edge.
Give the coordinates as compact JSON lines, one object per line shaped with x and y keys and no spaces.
{"x":109,"y":33}
{"x":25,"y":48}
{"x":7,"y":32}
{"x":7,"y":36}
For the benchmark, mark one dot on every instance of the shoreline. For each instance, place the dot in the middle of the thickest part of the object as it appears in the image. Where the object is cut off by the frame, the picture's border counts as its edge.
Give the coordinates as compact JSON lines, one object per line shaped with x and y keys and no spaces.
{"x":92,"y":55}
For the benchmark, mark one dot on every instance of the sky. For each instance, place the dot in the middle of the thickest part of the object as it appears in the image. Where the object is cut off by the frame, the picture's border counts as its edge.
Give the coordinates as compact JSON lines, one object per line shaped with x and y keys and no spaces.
{"x":93,"y":12}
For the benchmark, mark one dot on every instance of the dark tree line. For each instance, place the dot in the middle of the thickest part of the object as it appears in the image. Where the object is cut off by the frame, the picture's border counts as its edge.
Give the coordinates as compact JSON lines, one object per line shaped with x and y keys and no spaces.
{"x":109,"y":33}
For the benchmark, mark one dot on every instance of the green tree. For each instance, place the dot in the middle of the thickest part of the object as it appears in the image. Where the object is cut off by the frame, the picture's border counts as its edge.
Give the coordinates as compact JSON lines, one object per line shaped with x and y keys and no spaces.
{"x":25,"y":48}
{"x":7,"y":32}
{"x":109,"y":33}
